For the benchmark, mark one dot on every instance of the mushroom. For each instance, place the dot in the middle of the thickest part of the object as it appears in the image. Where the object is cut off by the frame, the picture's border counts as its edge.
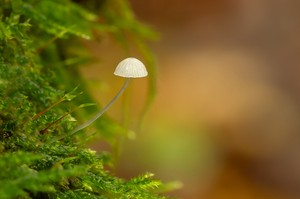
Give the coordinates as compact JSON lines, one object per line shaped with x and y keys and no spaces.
{"x":128,"y":68}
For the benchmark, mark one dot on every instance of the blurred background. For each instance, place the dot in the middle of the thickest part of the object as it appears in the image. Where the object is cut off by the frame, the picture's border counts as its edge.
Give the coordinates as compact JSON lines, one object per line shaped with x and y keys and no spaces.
{"x":226,"y":118}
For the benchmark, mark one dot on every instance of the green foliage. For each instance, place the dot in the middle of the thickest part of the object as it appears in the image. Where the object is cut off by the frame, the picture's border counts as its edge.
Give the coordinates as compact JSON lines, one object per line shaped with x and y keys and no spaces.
{"x":39,"y":93}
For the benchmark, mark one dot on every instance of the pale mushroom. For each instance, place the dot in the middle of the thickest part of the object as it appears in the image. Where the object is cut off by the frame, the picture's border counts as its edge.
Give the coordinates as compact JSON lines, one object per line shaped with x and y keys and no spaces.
{"x":128,"y":68}
{"x":131,"y":68}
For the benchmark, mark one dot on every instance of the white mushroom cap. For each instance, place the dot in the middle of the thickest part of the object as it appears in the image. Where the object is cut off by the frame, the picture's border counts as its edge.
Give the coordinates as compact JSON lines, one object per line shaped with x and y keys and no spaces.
{"x":131,"y":68}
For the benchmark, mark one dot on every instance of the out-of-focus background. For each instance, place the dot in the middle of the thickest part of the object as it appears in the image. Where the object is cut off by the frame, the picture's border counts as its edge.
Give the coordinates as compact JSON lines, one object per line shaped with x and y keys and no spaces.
{"x":226,"y":118}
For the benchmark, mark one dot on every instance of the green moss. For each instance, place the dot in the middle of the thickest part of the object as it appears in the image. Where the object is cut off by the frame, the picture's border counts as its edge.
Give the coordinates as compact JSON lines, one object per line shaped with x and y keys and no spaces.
{"x":38,"y":75}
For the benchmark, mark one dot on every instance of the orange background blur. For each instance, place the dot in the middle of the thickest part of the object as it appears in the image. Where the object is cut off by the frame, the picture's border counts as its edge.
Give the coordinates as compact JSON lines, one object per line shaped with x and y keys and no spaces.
{"x":225,"y":121}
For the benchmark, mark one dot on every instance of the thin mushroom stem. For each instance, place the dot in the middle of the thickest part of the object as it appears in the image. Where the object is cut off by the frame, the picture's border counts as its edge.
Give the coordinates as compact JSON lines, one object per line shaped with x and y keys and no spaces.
{"x":128,"y":68}
{"x":90,"y":121}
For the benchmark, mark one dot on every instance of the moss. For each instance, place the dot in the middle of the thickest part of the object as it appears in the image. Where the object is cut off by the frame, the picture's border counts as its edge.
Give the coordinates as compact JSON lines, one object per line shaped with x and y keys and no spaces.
{"x":38,"y":79}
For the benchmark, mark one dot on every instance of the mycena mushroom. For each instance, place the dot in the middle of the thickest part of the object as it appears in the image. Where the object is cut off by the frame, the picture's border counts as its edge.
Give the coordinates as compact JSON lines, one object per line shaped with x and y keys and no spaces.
{"x":128,"y":68}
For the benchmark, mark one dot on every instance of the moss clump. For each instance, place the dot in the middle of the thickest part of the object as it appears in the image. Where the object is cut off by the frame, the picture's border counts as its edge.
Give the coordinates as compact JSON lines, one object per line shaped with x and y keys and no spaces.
{"x":38,"y":75}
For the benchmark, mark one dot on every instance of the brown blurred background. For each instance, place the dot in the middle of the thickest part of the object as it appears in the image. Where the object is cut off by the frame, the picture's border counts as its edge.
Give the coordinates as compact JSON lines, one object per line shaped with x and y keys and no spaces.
{"x":226,"y":120}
